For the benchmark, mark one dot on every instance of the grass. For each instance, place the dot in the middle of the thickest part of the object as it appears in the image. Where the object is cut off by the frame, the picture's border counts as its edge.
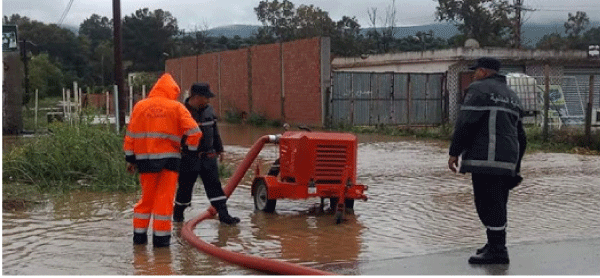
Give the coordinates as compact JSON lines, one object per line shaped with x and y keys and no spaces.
{"x":68,"y":157}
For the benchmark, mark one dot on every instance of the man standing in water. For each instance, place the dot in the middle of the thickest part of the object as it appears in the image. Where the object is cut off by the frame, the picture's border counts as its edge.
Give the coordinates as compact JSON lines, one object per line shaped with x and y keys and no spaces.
{"x":491,"y":141}
{"x":202,"y":162}
{"x":151,"y":145}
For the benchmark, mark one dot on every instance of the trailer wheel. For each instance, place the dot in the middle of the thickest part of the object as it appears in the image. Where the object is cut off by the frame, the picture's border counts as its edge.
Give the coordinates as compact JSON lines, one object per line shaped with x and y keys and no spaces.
{"x":348,"y":202}
{"x":261,"y":198}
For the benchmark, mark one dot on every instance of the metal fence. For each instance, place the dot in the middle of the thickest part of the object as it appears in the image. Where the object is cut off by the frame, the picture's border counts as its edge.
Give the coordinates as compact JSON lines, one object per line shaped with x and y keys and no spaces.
{"x":369,"y":98}
{"x":568,"y":98}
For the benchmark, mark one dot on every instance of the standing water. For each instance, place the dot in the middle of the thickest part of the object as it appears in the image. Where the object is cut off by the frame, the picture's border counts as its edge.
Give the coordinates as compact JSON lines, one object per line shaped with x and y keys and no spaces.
{"x":416,"y":207}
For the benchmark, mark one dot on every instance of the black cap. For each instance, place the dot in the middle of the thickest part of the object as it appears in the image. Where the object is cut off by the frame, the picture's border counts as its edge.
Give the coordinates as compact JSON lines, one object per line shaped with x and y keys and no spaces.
{"x":201,"y":89}
{"x":487,"y":63}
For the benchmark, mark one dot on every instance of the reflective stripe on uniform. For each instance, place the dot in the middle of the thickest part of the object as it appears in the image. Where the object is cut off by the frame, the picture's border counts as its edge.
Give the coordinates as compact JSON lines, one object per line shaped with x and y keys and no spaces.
{"x":129,"y":153}
{"x":183,"y":204}
{"x":162,"y":217}
{"x":140,"y":135}
{"x":492,"y":131}
{"x":140,"y":230}
{"x":141,"y":215}
{"x":192,"y":148}
{"x":162,"y":233}
{"x":207,"y":123}
{"x":217,"y":198}
{"x":490,"y":108}
{"x":502,"y":228}
{"x":157,"y":156}
{"x":493,"y":164}
{"x":193,"y":131}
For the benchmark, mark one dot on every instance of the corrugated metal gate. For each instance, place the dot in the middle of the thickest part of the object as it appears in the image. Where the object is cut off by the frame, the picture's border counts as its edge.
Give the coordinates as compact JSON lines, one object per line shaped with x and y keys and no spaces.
{"x":369,"y":98}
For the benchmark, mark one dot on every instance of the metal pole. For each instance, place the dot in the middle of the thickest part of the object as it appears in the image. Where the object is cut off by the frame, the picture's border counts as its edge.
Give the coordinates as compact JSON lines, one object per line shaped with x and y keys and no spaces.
{"x":546,"y":101}
{"x":36,"y":110}
{"x":130,"y":99}
{"x":588,"y":114}
{"x":64,"y":102}
{"x":117,"y":110}
{"x":25,"y":63}
{"x":69,"y":105}
{"x":143,"y":91}
{"x":75,"y":96}
{"x":120,"y":109}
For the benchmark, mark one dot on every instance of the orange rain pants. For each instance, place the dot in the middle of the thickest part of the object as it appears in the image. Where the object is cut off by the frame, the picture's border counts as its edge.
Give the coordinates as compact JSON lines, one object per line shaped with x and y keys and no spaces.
{"x":158,"y":194}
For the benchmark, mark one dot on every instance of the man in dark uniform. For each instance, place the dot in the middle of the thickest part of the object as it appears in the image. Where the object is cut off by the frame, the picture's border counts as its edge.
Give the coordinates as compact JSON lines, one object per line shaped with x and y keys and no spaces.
{"x":490,"y":138}
{"x":204,"y":161}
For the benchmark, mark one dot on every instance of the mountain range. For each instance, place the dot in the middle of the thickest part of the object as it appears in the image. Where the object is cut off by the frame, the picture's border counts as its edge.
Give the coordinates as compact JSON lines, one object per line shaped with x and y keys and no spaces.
{"x":532,"y":32}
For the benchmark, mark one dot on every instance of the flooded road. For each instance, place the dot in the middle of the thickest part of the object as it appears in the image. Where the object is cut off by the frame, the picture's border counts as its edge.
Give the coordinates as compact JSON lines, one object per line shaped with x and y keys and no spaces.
{"x":416,"y":207}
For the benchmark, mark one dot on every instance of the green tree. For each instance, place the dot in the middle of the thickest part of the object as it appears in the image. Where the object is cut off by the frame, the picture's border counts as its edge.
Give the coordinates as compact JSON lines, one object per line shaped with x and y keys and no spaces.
{"x":592,"y":36}
{"x":347,"y":40}
{"x":45,"y":76}
{"x":576,"y":24}
{"x":97,"y":29}
{"x":146,"y":36}
{"x":311,"y":21}
{"x":487,"y":21}
{"x":277,"y":19}
{"x":553,"y":41}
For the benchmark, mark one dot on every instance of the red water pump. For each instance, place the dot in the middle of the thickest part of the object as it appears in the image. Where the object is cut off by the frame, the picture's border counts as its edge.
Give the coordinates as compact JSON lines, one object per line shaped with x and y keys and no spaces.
{"x":311,"y":164}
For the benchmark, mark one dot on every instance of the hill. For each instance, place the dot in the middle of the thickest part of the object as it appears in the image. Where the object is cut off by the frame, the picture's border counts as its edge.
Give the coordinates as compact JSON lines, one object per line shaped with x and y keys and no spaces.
{"x":532,"y":32}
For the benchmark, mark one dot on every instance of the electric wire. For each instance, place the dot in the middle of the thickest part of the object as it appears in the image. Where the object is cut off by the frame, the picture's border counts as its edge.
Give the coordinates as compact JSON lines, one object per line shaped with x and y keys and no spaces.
{"x":64,"y":14}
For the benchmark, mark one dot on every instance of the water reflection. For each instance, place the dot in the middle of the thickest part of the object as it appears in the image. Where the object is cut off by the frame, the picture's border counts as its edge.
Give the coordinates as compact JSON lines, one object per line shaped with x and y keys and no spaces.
{"x":310,"y":237}
{"x":152,"y":261}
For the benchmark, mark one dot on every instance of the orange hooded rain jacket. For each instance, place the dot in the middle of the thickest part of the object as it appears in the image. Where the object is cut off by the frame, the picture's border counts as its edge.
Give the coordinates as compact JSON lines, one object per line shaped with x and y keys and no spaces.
{"x":156,"y":127}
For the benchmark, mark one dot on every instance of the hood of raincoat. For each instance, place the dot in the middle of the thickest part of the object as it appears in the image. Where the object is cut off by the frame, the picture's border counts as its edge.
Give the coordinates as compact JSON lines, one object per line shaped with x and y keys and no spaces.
{"x":165,"y":87}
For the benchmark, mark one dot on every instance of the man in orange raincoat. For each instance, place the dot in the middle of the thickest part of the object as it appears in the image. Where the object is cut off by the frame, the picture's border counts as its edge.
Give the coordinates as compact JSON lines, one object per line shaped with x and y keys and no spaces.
{"x":152,"y":145}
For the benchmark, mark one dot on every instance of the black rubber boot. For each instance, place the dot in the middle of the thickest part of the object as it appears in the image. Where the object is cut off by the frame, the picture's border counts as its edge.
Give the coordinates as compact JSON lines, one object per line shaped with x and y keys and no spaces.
{"x":482,"y":249}
{"x":140,"y":238}
{"x":161,"y":241}
{"x":494,"y":252}
{"x":224,"y":216}
{"x":178,"y":213}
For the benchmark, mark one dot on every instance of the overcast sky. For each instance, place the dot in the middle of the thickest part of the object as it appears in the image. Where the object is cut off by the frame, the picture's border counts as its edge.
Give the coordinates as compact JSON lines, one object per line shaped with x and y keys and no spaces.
{"x":192,"y":13}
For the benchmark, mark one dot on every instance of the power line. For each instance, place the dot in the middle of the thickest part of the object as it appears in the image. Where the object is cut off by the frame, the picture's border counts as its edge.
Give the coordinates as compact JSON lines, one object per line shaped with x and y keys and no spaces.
{"x":64,"y":15}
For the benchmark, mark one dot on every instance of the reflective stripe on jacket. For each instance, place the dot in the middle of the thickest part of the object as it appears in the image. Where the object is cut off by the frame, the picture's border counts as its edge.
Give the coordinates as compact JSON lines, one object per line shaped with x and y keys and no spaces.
{"x":156,"y":126}
{"x":489,"y":131}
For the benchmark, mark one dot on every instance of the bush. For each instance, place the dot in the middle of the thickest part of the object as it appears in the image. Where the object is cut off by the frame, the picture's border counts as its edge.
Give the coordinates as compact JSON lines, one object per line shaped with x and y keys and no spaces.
{"x":80,"y":156}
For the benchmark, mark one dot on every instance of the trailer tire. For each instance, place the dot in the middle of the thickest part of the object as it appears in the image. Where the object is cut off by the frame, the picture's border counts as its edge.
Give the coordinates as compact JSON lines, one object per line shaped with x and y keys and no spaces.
{"x":261,"y":198}
{"x":348,"y":202}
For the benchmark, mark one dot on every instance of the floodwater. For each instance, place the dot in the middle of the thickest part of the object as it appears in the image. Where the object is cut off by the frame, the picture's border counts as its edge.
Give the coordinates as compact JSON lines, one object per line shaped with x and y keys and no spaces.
{"x":416,"y":207}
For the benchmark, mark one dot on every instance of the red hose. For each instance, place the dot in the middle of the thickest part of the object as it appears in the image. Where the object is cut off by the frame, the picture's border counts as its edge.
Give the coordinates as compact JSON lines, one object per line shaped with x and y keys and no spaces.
{"x":252,"y":262}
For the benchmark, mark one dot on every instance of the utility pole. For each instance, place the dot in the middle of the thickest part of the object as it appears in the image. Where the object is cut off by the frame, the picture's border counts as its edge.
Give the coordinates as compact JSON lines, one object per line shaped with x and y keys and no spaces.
{"x":519,"y":9}
{"x":120,"y":113}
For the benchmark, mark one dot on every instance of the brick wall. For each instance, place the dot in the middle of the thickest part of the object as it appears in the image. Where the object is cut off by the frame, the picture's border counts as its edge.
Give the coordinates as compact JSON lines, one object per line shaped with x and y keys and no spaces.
{"x":234,"y":81}
{"x":189,"y":73}
{"x":249,"y":80}
{"x":302,"y":81}
{"x":266,"y":81}
{"x":208,"y":72}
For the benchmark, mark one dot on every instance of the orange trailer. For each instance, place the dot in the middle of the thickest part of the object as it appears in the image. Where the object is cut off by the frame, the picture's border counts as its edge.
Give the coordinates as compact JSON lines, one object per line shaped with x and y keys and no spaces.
{"x":311,"y":164}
